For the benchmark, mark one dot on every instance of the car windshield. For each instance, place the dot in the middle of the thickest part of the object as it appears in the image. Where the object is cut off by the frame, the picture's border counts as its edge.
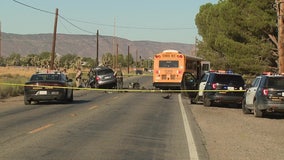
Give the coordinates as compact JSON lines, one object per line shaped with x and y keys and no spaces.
{"x":275,"y":82}
{"x":45,"y":77}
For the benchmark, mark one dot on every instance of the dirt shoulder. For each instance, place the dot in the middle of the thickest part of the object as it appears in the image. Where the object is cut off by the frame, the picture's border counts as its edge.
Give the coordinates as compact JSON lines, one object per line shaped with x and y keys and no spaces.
{"x":229,"y":134}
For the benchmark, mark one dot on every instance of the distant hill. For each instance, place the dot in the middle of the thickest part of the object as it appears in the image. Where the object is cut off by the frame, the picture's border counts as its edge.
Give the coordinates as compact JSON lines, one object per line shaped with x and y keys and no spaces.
{"x":84,"y":45}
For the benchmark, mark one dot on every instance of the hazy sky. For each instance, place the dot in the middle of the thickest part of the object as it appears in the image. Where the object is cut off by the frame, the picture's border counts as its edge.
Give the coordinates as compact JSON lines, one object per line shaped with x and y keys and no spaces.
{"x":154,"y":20}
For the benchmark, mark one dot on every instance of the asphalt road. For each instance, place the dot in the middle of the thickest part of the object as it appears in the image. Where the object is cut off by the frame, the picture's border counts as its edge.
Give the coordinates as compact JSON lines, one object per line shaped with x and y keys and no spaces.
{"x":102,"y":125}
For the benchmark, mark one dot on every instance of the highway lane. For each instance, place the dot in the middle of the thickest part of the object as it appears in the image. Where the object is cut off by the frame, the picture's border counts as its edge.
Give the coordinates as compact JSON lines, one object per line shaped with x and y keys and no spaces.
{"x":98,"y":125}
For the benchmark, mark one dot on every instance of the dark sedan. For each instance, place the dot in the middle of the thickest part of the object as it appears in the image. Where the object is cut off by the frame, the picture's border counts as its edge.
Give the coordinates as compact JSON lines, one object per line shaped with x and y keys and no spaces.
{"x":48,"y":87}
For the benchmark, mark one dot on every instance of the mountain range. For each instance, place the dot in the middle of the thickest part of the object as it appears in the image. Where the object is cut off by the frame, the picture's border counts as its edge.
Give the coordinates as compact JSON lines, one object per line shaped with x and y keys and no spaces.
{"x":85,"y":45}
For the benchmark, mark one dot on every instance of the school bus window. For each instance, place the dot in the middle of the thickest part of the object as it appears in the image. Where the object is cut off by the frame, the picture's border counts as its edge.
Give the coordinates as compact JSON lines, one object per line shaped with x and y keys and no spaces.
{"x":168,"y":64}
{"x":205,"y":67}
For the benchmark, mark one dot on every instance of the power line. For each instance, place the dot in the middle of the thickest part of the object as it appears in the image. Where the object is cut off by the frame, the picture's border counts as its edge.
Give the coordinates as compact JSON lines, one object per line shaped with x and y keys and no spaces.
{"x":76,"y":25}
{"x":68,"y":20}
{"x":33,"y":7}
{"x":132,"y":27}
{"x":45,"y":11}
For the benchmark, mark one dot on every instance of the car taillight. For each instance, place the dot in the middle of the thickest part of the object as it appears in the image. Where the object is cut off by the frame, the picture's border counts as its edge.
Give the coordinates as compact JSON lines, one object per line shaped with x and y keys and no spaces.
{"x":180,"y":56}
{"x":97,"y":78}
{"x":265,"y":92}
{"x":214,"y":85}
{"x":157,"y":56}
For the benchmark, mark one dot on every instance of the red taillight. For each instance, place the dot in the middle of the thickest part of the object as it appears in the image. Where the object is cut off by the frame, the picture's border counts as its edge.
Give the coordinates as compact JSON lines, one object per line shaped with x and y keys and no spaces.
{"x":97,"y":78}
{"x":265,"y":92}
{"x":180,"y":56}
{"x":157,"y":71}
{"x":157,"y":56}
{"x":214,"y":85}
{"x":179,"y":72}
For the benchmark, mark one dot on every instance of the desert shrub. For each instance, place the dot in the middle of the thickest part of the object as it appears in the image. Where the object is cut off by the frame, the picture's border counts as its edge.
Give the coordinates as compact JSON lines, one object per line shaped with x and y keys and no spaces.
{"x":11,"y":85}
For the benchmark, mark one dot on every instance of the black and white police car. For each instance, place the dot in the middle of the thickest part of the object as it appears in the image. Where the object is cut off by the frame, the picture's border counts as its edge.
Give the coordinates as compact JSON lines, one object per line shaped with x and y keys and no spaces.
{"x":265,"y":94}
{"x":220,"y":87}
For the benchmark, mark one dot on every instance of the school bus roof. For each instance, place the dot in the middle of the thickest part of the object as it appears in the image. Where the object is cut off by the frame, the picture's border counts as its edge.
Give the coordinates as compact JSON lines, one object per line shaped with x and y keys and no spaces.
{"x":171,"y":50}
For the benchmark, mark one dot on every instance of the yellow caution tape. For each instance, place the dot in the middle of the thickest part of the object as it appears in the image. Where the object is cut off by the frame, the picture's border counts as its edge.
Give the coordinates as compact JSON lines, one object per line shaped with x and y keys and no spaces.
{"x":119,"y":90}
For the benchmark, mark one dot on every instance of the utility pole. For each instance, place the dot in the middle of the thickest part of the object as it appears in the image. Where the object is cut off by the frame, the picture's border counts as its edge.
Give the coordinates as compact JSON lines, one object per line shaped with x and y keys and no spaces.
{"x":97,"y":58}
{"x":0,"y":40}
{"x":136,"y":58}
{"x":54,"y":41}
{"x":280,"y":45}
{"x":116,"y":57}
{"x":113,"y":43}
{"x":128,"y":54}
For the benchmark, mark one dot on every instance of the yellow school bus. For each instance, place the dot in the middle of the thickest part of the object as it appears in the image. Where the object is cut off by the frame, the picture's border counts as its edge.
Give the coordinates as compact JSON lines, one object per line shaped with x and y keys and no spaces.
{"x":170,"y":66}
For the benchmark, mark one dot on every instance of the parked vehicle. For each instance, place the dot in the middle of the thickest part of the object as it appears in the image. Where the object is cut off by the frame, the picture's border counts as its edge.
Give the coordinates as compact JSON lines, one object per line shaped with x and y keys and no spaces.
{"x":220,"y":87}
{"x":266,"y":94}
{"x":189,"y":86}
{"x":48,"y":86}
{"x":102,"y":77}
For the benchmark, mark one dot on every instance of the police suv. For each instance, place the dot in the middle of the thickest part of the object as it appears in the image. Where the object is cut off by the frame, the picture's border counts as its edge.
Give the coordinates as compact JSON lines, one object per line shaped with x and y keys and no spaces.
{"x":265,"y":94}
{"x":220,"y":87}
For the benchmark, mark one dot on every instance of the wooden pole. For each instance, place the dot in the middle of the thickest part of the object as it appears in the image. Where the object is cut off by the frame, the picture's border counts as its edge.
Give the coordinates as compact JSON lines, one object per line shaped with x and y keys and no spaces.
{"x":97,"y":58}
{"x":116,"y":57}
{"x":280,"y":14}
{"x":54,"y":41}
{"x":0,"y":40}
{"x":128,"y":54}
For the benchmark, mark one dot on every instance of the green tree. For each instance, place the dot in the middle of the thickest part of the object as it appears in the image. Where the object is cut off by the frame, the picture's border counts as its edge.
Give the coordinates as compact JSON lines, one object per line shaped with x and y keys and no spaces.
{"x":68,"y":61}
{"x":107,"y":59}
{"x":238,"y":35}
{"x":2,"y":61}
{"x":44,"y":59}
{"x":14,"y":59}
{"x":88,"y":62}
{"x":128,"y":60}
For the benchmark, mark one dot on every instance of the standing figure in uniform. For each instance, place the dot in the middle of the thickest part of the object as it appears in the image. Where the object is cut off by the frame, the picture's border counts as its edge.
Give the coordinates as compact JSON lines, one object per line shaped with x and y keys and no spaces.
{"x":119,"y":79}
{"x":78,"y":77}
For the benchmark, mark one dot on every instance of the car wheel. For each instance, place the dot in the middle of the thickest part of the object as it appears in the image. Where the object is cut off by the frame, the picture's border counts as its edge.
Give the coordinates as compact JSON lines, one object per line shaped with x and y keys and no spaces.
{"x":207,"y":102}
{"x":71,"y":97}
{"x":244,"y":108}
{"x":27,"y":102}
{"x":92,"y":85}
{"x":193,"y":101}
{"x":257,"y":112}
{"x":96,"y":85}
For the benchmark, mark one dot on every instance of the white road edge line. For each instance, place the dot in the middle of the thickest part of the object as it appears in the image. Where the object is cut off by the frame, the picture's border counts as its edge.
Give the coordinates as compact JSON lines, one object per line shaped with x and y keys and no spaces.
{"x":193,"y":155}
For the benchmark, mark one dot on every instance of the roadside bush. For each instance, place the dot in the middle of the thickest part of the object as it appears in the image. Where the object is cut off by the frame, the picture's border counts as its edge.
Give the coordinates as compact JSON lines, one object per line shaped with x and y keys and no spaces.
{"x":11,"y":85}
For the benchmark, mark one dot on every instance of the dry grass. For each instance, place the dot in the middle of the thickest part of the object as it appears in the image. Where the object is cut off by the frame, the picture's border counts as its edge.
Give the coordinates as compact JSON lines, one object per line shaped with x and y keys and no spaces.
{"x":22,"y":71}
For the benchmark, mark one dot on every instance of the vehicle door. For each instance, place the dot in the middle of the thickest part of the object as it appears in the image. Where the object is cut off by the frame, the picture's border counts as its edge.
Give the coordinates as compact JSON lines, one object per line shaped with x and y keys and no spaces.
{"x":202,"y":84}
{"x":189,"y":83}
{"x":68,"y":83}
{"x":250,"y":93}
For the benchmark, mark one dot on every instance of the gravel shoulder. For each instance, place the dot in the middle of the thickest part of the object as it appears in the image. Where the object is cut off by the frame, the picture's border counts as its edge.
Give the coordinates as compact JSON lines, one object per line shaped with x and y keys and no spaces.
{"x":230,"y":134}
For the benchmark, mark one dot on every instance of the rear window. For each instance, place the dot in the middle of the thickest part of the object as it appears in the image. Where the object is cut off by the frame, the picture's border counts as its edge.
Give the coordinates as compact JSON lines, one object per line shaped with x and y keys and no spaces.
{"x":168,"y":64}
{"x":229,"y":79}
{"x":105,"y":71}
{"x":275,"y":82}
{"x":45,"y":77}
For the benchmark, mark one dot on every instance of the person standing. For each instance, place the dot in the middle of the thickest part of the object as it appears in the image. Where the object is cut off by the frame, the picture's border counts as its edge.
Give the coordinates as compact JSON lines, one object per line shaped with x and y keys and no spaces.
{"x":119,"y":79}
{"x":78,"y":77}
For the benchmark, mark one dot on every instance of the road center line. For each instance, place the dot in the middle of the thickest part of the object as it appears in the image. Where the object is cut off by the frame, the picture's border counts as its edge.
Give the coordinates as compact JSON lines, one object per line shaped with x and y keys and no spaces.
{"x":94,"y":107}
{"x":41,"y":128}
{"x":193,"y":155}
